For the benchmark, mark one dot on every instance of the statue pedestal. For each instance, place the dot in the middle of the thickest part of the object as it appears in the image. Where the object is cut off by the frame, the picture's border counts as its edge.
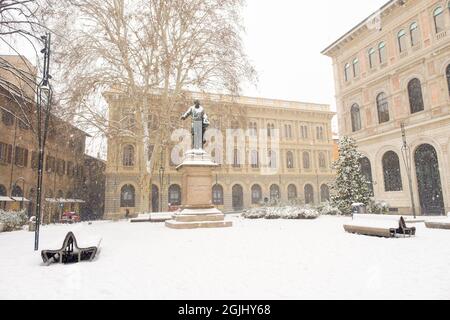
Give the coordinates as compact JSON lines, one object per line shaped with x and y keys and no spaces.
{"x":197,"y":210}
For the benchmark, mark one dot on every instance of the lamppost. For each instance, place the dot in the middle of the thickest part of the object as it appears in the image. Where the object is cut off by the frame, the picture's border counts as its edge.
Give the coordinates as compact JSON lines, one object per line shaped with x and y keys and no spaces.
{"x":161,"y":179}
{"x":44,"y":105}
{"x":406,"y":153}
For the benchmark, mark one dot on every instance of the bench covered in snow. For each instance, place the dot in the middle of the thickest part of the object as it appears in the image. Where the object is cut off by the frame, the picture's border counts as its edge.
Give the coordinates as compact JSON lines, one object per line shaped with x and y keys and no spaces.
{"x":70,"y":252}
{"x":443,"y":224}
{"x":153,"y":217}
{"x":381,"y":228}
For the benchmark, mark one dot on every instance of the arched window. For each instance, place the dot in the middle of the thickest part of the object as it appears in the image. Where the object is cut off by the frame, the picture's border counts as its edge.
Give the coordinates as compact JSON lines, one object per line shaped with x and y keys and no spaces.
{"x":356,"y":118}
{"x":415,"y":96}
{"x":255,"y":159}
{"x":366,"y":170}
{"x":2,"y":191}
{"x":306,"y":160}
{"x":324,"y":193}
{"x":322,"y":161}
{"x":217,"y":194}
{"x":382,"y":52}
{"x":155,"y":198}
{"x":356,"y":67}
{"x":253,"y":129}
{"x":448,"y":78}
{"x":17,"y":192}
{"x":292,"y":192}
{"x":401,"y":38}
{"x":383,"y":108}
{"x":127,"y":196}
{"x":275,"y":192}
{"x":372,"y":53}
{"x":128,"y":156}
{"x":309,"y":194}
{"x":347,"y":72}
{"x":256,"y":194}
{"x":290,"y":160}
{"x":175,"y":195}
{"x":414,"y":33}
{"x":439,"y":19}
{"x":238,"y":197}
{"x":392,"y":173}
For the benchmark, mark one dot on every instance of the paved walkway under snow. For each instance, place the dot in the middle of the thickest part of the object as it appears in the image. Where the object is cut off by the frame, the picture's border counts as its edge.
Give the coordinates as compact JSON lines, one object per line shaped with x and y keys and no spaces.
{"x":254,"y":260}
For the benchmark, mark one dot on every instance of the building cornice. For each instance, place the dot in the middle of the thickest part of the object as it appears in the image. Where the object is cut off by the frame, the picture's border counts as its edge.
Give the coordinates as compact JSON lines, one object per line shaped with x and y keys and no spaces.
{"x":385,"y":10}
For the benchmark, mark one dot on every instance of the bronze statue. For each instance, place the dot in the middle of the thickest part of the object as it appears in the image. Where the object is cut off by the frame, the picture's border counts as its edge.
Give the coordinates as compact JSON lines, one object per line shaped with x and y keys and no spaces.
{"x":200,"y":123}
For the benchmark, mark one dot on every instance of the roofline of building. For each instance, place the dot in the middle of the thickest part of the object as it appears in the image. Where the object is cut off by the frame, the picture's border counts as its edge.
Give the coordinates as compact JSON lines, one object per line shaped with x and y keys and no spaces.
{"x":95,"y":158}
{"x":360,"y":25}
{"x":17,"y":92}
{"x":257,"y":101}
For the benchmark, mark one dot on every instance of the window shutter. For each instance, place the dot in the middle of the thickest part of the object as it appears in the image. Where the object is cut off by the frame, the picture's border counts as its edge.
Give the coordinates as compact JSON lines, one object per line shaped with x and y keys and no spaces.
{"x":9,"y":153}
{"x":25,"y":161}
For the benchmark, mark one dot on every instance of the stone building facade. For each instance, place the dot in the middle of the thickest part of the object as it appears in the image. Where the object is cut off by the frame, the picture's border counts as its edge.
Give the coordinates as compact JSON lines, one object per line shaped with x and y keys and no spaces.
{"x":390,"y":70}
{"x":304,"y":155}
{"x":63,"y":164}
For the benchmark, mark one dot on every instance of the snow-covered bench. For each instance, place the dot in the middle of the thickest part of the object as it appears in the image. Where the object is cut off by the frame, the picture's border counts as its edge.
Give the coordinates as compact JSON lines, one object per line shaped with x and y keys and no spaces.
{"x":383,"y":217}
{"x":388,"y":228}
{"x":443,"y":224}
{"x":153,"y":217}
{"x":70,"y":252}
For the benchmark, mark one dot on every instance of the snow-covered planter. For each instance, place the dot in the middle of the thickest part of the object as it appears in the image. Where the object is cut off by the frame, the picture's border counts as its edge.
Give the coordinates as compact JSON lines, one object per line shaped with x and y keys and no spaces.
{"x":329,"y":210}
{"x":308,"y":213}
{"x":378,"y":207}
{"x":274,"y":213}
{"x":13,"y":220}
{"x":256,"y":213}
{"x":288,"y":212}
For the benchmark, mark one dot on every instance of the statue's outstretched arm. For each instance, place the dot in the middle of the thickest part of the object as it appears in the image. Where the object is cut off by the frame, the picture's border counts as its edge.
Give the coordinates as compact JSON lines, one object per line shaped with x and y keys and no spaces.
{"x":187,"y":114}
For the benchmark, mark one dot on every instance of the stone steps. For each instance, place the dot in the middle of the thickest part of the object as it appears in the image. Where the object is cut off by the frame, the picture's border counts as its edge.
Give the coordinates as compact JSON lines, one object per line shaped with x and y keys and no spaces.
{"x":172,"y":224}
{"x":200,"y":218}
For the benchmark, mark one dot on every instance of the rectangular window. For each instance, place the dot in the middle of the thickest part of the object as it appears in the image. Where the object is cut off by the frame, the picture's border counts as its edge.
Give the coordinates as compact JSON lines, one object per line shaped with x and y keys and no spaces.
{"x":21,"y":157}
{"x":128,"y":119}
{"x":320,"y":135}
{"x":304,"y":132}
{"x":50,"y":164}
{"x":34,"y":160}
{"x":5,"y":153}
{"x":70,"y":169}
{"x":61,"y":167}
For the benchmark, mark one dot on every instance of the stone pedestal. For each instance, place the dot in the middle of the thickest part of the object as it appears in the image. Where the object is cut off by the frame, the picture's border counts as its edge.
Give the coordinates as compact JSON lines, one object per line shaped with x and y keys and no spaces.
{"x":197,"y":210}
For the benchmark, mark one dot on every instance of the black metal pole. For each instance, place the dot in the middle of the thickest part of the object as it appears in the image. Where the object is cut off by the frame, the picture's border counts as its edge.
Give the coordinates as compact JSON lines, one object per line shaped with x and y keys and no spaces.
{"x":43,"y":88}
{"x":406,"y":153}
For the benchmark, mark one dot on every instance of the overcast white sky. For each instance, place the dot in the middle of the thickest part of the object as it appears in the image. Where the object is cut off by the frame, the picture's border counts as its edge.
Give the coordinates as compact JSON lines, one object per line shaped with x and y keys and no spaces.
{"x":284,"y":40}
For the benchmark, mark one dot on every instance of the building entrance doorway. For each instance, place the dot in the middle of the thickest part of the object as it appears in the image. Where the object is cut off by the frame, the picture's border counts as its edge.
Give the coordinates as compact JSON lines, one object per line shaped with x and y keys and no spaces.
{"x":429,"y":180}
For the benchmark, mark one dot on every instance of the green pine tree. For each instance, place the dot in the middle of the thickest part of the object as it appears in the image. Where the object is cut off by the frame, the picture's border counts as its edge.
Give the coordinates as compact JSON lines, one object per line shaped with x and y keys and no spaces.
{"x":350,"y":185}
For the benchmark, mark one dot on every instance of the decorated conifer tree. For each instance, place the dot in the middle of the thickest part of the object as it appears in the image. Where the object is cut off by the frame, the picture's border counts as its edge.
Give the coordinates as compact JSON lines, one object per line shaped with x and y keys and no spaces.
{"x":350,"y":185}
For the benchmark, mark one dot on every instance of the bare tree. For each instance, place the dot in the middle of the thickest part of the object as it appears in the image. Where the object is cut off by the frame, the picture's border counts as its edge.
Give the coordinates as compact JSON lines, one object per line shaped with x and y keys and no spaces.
{"x":139,"y":48}
{"x":19,"y":26}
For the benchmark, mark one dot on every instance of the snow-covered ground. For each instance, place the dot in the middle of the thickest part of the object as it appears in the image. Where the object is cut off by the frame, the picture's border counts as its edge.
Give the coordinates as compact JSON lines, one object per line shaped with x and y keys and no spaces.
{"x":279,"y":259}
